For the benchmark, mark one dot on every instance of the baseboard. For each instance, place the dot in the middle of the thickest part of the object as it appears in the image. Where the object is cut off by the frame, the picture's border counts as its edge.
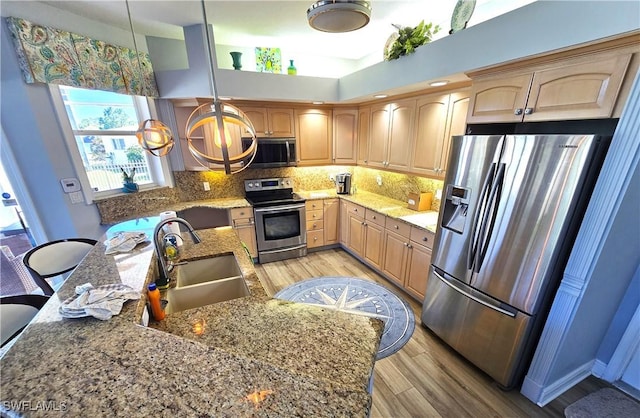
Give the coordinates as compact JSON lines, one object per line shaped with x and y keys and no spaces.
{"x":542,"y":395}
{"x":598,"y":368}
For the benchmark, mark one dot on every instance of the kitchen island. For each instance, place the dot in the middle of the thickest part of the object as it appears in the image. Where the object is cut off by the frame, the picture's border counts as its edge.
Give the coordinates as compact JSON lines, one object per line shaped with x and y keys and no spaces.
{"x":256,"y":355}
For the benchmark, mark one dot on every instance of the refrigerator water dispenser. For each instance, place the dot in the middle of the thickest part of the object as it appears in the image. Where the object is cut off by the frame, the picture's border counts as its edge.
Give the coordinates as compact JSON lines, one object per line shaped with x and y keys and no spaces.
{"x":456,"y":204}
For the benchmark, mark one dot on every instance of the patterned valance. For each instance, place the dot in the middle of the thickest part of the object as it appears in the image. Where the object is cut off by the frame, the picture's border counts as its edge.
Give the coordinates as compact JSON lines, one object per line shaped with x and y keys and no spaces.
{"x":54,"y":56}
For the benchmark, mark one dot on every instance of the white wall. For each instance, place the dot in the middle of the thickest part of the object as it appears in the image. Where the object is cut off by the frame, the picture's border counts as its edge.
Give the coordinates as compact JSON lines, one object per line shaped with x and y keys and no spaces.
{"x":38,"y":145}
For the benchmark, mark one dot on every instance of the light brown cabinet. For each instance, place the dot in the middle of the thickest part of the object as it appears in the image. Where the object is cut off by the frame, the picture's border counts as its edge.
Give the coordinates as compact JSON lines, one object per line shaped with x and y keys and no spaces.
{"x":204,"y":137}
{"x":390,"y":134}
{"x":345,"y":136}
{"x":322,"y":222}
{"x":438,"y":117}
{"x":331,"y":213}
{"x":243,"y":223}
{"x":276,"y":122}
{"x":364,"y":118}
{"x":313,"y":135}
{"x":374,"y":235}
{"x":355,"y":228}
{"x":407,"y":257}
{"x":575,"y":88}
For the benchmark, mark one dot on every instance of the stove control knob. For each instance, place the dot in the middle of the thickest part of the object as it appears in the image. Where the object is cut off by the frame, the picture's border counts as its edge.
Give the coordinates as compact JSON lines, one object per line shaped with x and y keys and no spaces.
{"x":250,"y":185}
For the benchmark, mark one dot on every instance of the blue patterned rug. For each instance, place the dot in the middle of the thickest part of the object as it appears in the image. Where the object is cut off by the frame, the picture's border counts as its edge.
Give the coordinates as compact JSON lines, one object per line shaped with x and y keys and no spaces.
{"x":360,"y":297}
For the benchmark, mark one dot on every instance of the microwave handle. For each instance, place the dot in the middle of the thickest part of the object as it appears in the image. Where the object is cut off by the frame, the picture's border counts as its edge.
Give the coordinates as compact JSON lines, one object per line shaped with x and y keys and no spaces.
{"x":288,"y":152}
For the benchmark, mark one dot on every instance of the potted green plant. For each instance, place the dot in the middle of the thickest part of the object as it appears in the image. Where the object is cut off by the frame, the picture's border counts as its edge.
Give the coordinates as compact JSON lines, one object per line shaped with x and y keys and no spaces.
{"x":407,"y":39}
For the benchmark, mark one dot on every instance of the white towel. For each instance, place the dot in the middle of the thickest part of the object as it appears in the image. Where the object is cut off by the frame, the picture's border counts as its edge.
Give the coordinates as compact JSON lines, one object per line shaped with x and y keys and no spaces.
{"x":123,"y":242}
{"x":101,"y":302}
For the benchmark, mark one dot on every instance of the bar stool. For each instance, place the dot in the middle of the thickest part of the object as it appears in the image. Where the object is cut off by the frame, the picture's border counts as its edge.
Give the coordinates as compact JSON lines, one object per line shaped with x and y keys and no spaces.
{"x":16,"y":312}
{"x":55,"y":258}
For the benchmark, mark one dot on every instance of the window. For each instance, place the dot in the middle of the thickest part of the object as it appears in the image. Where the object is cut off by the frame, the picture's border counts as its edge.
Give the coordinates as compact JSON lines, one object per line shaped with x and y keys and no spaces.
{"x":102,"y":127}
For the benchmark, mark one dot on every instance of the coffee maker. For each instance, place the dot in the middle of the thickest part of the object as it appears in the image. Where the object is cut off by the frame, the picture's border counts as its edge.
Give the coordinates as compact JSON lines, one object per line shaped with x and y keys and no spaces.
{"x":343,"y":183}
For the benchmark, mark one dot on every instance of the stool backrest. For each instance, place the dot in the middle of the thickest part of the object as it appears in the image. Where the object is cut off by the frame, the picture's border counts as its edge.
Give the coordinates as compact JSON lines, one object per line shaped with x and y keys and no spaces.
{"x":56,"y":257}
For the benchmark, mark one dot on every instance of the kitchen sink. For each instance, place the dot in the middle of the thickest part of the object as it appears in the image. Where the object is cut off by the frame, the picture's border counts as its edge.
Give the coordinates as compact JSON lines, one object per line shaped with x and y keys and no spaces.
{"x":207,"y":270}
{"x":205,"y":282}
{"x":197,"y":295}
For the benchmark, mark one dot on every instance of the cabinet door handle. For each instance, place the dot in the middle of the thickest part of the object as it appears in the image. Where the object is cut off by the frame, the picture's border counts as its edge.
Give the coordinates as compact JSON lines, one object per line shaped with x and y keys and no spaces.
{"x":518,"y":111}
{"x":425,"y":239}
{"x":396,"y":227}
{"x":528,"y":111}
{"x":374,"y":216}
{"x":405,"y":244}
{"x":409,"y":246}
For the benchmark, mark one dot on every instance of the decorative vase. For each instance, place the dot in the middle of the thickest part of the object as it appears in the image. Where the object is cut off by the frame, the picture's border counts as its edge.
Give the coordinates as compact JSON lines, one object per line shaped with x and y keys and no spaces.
{"x":291,"y":70}
{"x":129,"y":187}
{"x":236,"y":60}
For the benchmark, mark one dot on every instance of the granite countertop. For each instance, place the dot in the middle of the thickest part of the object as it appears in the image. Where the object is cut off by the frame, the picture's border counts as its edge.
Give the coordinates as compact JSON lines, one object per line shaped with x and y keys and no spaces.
{"x":392,"y":208}
{"x":300,"y":359}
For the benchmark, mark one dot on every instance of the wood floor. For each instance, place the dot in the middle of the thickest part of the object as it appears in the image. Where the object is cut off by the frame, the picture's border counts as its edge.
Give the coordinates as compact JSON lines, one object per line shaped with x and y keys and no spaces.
{"x":425,"y":378}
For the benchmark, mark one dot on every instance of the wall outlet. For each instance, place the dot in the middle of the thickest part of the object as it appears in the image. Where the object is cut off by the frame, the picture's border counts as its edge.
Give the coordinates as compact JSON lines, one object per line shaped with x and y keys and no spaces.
{"x":439,"y":194}
{"x":379,"y":180}
{"x":206,"y":186}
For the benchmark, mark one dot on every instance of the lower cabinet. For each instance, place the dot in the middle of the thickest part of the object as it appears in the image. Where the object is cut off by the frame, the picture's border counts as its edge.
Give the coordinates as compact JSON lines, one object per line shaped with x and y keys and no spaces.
{"x":407,"y":257}
{"x":244,"y":224}
{"x":322,"y":222}
{"x":374,"y":235}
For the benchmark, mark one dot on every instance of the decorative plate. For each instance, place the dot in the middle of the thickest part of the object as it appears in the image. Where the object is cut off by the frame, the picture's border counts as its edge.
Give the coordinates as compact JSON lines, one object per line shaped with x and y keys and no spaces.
{"x":387,"y":46}
{"x":461,"y":15}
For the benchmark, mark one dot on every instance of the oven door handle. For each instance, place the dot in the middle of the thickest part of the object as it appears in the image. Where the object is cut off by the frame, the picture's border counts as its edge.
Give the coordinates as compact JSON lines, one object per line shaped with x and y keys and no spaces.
{"x":275,"y":209}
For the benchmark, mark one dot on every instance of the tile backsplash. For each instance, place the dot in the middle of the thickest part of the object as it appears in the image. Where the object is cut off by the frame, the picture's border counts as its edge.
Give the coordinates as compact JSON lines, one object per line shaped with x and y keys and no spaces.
{"x":397,"y":186}
{"x":189,"y":187}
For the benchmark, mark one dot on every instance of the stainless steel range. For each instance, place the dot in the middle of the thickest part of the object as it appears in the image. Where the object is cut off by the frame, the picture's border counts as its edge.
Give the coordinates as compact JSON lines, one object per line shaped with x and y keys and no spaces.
{"x":280,"y":219}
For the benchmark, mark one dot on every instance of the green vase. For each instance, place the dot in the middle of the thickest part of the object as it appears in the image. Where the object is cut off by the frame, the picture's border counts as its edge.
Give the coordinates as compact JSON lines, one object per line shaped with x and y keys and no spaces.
{"x":291,"y":70}
{"x":236,"y":56}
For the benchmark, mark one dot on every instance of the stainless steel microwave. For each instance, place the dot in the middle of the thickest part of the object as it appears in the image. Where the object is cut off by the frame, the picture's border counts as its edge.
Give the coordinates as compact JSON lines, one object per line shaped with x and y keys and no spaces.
{"x":273,"y":152}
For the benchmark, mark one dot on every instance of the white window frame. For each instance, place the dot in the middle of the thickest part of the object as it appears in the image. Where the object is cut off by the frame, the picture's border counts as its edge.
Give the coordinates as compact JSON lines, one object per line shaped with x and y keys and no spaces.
{"x":160,"y":169}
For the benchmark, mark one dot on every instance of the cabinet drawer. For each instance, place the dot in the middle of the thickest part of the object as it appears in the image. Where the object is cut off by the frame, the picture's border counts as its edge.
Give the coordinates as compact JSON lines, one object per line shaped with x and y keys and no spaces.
{"x":243,"y":222}
{"x":315,"y":225}
{"x":315,"y":238}
{"x":314,"y":215}
{"x":375,"y":217}
{"x":354,"y":209}
{"x":313,"y":205}
{"x":398,"y":227}
{"x":422,"y":237}
{"x":241,"y":213}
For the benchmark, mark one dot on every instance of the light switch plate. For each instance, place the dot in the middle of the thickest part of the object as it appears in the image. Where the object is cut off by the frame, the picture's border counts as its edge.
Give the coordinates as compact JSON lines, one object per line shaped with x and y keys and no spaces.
{"x":206,"y":186}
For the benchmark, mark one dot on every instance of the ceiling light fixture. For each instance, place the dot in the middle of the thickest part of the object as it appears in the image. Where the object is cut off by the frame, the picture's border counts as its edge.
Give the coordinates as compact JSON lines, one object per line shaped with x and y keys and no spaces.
{"x":153,"y":136}
{"x":222,"y":117}
{"x":339,"y":15}
{"x":439,"y":83}
{"x":380,"y":96}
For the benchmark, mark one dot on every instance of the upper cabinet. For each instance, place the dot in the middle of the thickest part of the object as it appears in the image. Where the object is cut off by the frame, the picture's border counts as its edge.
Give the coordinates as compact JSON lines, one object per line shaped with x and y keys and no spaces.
{"x":390,"y":130}
{"x":364,"y":117}
{"x":438,"y":117}
{"x":274,"y":122}
{"x":345,"y":136}
{"x":585,"y":87}
{"x":313,"y":134}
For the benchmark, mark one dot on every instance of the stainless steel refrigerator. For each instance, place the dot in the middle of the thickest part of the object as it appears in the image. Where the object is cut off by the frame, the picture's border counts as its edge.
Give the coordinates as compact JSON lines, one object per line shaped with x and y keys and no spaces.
{"x":511,"y":208}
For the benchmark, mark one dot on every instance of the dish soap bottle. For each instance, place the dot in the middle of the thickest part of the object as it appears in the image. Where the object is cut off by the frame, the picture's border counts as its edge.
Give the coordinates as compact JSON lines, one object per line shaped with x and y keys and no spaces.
{"x":154,"y":300}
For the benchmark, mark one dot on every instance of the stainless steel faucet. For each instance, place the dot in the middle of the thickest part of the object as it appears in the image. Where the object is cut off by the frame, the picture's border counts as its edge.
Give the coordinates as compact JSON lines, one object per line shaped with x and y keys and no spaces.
{"x":162,"y":263}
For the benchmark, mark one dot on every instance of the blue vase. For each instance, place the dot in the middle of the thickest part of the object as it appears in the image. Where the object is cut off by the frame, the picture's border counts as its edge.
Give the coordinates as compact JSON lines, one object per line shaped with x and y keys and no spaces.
{"x":129,"y":187}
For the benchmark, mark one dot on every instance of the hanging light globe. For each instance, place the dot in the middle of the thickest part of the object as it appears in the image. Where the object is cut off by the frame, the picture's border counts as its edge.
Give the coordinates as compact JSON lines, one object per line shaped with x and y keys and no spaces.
{"x":155,"y":137}
{"x":214,"y":114}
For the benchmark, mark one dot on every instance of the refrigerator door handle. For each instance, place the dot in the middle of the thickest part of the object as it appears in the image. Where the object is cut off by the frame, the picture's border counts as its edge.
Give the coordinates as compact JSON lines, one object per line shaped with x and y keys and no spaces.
{"x":482,"y":203}
{"x":490,"y":217}
{"x":511,"y":312}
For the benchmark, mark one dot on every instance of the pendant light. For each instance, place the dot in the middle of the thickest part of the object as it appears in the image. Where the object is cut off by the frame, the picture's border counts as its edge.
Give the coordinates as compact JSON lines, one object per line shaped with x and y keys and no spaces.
{"x":339,"y":15}
{"x":153,"y":136}
{"x":221,"y":116}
